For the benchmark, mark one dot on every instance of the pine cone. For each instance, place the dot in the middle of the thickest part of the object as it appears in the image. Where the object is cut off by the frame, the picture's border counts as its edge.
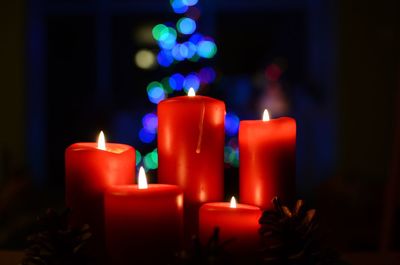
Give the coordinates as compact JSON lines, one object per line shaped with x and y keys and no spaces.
{"x":292,"y":237}
{"x":55,"y":242}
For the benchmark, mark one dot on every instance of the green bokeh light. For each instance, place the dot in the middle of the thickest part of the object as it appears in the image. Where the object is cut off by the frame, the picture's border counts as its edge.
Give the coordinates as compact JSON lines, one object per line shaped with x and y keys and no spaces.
{"x":159,"y":30}
{"x":166,"y":85}
{"x":138,"y":158}
{"x":150,"y":160}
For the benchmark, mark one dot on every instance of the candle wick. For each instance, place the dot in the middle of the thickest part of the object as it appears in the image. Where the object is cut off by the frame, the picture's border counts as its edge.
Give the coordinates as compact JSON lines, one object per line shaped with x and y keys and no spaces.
{"x":201,"y":125}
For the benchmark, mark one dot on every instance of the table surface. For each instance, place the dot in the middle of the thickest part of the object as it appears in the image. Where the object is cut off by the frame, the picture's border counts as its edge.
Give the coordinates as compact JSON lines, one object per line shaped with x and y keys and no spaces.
{"x":361,"y":258}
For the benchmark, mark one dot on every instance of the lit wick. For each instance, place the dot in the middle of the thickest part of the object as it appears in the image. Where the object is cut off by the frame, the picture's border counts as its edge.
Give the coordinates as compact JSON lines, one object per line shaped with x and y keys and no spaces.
{"x":191,"y":92}
{"x":101,"y":141}
{"x":266,"y":115}
{"x":233,"y":202}
{"x":142,"y":180}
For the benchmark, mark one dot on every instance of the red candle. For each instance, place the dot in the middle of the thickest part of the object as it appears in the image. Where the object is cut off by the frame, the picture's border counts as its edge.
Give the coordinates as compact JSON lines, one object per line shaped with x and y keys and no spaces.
{"x":144,"y":223}
{"x":191,"y":150}
{"x":267,"y":161}
{"x":237,"y":222}
{"x":90,"y":169}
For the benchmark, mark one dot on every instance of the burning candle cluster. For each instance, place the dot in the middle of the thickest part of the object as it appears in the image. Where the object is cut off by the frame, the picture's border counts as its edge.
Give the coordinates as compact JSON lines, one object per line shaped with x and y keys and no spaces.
{"x":160,"y":218}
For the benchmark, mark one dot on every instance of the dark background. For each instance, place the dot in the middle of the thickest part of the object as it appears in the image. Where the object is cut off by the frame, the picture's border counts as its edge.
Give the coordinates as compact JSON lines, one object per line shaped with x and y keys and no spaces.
{"x":67,"y":70}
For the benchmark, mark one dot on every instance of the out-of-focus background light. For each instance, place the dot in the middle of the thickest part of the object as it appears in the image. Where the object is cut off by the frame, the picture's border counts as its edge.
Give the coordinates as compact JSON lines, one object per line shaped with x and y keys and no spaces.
{"x":150,"y":160}
{"x":231,"y":124}
{"x":191,"y":81}
{"x":155,"y":92}
{"x":145,"y":59}
{"x":179,"y":6}
{"x":207,"y":75}
{"x":186,"y":25}
{"x":176,"y":81}
{"x":138,"y":158}
{"x":146,"y":136}
{"x":165,"y":58}
{"x":206,"y":49}
{"x":189,"y":2}
{"x":150,"y":122}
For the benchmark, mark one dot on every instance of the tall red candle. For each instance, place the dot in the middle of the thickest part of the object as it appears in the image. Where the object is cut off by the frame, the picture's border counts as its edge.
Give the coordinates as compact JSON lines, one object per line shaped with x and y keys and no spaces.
{"x":144,"y":223}
{"x":91,"y":168}
{"x":267,"y":161}
{"x":191,"y":150}
{"x":237,"y":223}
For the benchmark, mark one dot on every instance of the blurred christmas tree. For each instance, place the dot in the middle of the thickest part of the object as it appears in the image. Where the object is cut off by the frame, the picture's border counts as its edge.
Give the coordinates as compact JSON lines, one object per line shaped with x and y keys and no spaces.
{"x":179,"y":43}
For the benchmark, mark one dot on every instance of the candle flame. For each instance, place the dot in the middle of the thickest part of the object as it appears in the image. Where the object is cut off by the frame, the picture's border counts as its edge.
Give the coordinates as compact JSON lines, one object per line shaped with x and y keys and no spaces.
{"x":191,"y":92}
{"x":142,"y":180}
{"x":266,"y":115}
{"x":233,"y":202}
{"x":101,"y":141}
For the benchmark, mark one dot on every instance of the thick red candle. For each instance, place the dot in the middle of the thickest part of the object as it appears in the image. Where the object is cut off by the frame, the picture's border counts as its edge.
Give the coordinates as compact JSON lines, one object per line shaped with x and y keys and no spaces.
{"x":91,"y":168}
{"x":144,"y":224}
{"x":237,"y":222}
{"x":267,"y":161}
{"x":191,"y":150}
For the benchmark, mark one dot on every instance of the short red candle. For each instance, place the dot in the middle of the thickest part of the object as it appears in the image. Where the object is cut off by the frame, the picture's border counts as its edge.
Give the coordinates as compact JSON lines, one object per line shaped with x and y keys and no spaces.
{"x":267,"y":161}
{"x":239,"y":224}
{"x":89,"y":171}
{"x":143,"y":226}
{"x":191,"y":150}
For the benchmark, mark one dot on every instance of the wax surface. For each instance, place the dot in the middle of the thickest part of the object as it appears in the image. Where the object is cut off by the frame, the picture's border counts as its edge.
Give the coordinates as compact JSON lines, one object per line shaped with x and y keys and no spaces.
{"x":89,"y":171}
{"x":267,"y":161}
{"x":191,"y":150}
{"x":240,"y":224}
{"x":143,"y":226}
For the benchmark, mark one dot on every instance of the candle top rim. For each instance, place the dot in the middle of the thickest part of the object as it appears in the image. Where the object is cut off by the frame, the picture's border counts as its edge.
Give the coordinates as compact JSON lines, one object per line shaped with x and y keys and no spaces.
{"x":115,"y":148}
{"x":133,"y":190}
{"x":188,"y":99}
{"x":218,"y":206}
{"x":272,"y":120}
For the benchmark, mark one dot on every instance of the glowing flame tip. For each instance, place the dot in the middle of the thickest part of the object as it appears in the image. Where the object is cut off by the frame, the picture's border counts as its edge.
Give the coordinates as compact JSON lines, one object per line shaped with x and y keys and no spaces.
{"x":101,"y":141}
{"x":142,"y":180}
{"x":266,"y":115}
{"x":191,"y":92}
{"x":233,"y":202}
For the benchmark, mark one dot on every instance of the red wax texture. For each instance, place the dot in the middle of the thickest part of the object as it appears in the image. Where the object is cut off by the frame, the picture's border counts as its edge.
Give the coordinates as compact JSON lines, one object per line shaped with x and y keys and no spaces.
{"x":267,"y":161}
{"x":240,"y":224}
{"x":89,"y":171}
{"x":191,"y":150}
{"x":143,"y":226}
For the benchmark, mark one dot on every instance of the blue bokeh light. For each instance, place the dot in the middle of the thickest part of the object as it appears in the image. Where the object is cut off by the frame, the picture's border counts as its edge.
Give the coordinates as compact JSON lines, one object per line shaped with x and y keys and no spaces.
{"x":186,"y":25}
{"x":179,"y":6}
{"x":191,"y":81}
{"x":165,"y":58}
{"x":146,"y":137}
{"x":192,"y":48}
{"x":176,"y":53}
{"x":207,"y":75}
{"x":232,"y":122}
{"x":150,"y":122}
{"x":156,"y":92}
{"x":190,"y":2}
{"x":176,"y":81}
{"x":196,"y":38}
{"x":206,"y":49}
{"x":183,"y":50}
